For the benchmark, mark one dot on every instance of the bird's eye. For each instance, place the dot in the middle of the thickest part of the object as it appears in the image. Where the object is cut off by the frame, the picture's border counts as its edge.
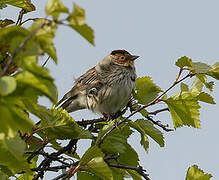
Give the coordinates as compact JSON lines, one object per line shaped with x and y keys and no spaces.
{"x":122,"y":57}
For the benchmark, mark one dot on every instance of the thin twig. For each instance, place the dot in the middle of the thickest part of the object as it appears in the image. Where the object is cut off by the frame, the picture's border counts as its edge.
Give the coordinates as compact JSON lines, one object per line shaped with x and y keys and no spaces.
{"x":30,"y":19}
{"x":158,"y":111}
{"x":47,"y":161}
{"x":158,"y":123}
{"x":20,"y":17}
{"x":92,"y":121}
{"x":143,"y":107}
{"x":46,"y":61}
{"x":138,"y":169}
{"x":54,"y":168}
{"x":35,"y":153}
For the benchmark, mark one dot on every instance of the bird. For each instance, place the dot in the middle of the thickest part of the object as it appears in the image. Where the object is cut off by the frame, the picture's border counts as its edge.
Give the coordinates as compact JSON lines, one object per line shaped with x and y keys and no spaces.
{"x":104,"y":89}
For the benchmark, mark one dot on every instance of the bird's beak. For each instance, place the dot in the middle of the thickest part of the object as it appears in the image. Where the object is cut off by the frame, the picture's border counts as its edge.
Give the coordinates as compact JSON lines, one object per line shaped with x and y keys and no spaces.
{"x":133,"y":57}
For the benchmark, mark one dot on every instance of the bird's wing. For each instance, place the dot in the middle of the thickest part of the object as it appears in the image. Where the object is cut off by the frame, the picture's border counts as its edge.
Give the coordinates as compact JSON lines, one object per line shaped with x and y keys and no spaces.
{"x":83,"y":82}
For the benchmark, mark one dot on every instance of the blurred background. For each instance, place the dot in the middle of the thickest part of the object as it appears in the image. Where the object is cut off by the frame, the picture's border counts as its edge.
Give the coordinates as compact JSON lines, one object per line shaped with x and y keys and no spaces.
{"x":159,"y":32}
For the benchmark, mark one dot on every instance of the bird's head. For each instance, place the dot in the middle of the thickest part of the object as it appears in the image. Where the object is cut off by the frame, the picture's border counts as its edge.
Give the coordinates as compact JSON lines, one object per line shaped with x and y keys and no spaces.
{"x":123,"y":58}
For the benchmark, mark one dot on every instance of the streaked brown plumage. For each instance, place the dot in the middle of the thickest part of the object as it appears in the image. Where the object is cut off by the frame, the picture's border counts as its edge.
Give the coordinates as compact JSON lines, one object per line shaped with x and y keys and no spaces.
{"x":105,"y":88}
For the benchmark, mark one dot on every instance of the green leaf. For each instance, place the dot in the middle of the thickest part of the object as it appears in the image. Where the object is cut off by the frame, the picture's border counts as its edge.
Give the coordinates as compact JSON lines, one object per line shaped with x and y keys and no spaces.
{"x":205,"y":97}
{"x":3,"y":176}
{"x":203,"y":79}
{"x":5,"y":170}
{"x":11,"y":153}
{"x":93,"y":161}
{"x":25,"y":176}
{"x":197,"y":86}
{"x":200,"y":67}
{"x":87,"y":176}
{"x":77,"y":17}
{"x":24,"y":4}
{"x":116,"y":142}
{"x":85,"y":31}
{"x":6,"y":22}
{"x":144,"y":138}
{"x":30,"y":64}
{"x":119,"y":174}
{"x":12,"y":37}
{"x":184,"y":109}
{"x":7,"y":85}
{"x":184,"y":87}
{"x":184,"y":61}
{"x":214,"y":71}
{"x":13,"y":117}
{"x":98,"y":167}
{"x":150,"y":130}
{"x":56,"y":123}
{"x":45,"y":36}
{"x":91,"y":153}
{"x":146,"y":90}
{"x":43,"y":85}
{"x":55,"y":7}
{"x":194,"y":173}
{"x":134,"y":174}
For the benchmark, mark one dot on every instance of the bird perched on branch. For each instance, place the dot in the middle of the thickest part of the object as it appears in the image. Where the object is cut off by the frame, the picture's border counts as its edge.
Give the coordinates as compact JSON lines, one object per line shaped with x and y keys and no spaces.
{"x":105,"y":88}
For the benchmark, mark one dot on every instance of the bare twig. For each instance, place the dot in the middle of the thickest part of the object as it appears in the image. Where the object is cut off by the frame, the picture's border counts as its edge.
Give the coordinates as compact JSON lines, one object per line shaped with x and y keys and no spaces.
{"x":20,"y":17}
{"x":138,"y":169}
{"x":158,"y":111}
{"x":158,"y":123}
{"x":30,"y":19}
{"x":69,"y":173}
{"x":35,"y":153}
{"x":48,"y":160}
{"x":92,"y":121}
{"x":46,"y":61}
{"x":54,"y":168}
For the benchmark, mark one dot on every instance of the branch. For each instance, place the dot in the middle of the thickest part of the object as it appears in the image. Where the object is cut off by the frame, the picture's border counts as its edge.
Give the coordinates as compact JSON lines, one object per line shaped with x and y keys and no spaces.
{"x":158,"y":123}
{"x":92,"y":121}
{"x":54,"y":168}
{"x":138,"y":169}
{"x":48,"y":160}
{"x":20,"y":17}
{"x":145,"y":106}
{"x":46,"y":61}
{"x":20,"y":48}
{"x":158,"y":111}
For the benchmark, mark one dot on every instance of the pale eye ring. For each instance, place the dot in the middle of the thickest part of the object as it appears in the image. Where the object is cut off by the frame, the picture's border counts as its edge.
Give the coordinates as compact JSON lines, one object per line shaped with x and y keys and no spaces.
{"x":122,"y":57}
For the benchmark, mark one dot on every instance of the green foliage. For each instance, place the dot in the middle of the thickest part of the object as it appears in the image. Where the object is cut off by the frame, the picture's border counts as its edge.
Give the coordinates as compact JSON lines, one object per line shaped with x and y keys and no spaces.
{"x":194,"y":173}
{"x":93,"y":162}
{"x":21,"y":140}
{"x":145,"y":127}
{"x":184,"y":61}
{"x":11,"y":153}
{"x":7,"y":85}
{"x":214,"y":71}
{"x":55,"y":7}
{"x":146,"y":90}
{"x":24,"y":4}
{"x":184,"y":109}
{"x":76,"y":21}
{"x":116,"y":143}
{"x":45,"y":36}
{"x":6,"y":22}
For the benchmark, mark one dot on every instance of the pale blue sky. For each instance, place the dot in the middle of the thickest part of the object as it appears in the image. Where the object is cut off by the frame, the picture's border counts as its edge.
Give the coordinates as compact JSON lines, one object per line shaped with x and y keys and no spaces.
{"x":159,"y":32}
